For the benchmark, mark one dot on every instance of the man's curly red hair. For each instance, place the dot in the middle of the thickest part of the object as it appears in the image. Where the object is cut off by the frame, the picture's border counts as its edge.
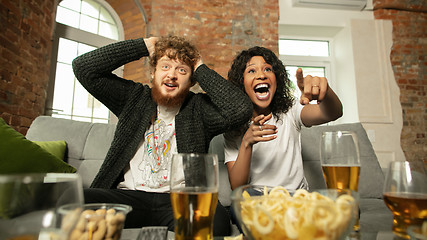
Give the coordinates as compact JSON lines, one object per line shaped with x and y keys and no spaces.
{"x":176,"y":48}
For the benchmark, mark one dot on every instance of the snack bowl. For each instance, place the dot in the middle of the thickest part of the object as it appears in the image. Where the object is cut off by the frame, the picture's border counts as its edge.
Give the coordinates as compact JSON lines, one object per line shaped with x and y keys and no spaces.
{"x":275,"y":213}
{"x":98,"y":221}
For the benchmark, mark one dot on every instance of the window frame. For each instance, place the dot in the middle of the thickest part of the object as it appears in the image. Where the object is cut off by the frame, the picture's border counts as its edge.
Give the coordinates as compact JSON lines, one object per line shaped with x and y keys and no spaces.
{"x":311,"y":61}
{"x":81,"y":36}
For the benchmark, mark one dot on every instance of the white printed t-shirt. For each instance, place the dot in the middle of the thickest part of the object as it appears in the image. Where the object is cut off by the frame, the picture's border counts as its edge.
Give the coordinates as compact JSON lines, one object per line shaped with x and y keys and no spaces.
{"x":150,"y":167}
{"x":277,"y":162}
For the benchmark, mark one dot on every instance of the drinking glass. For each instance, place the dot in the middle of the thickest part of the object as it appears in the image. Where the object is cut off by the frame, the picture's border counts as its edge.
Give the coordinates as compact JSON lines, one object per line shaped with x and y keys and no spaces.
{"x":405,"y":194}
{"x":194,"y":194}
{"x":39,"y":206}
{"x":340,"y":160}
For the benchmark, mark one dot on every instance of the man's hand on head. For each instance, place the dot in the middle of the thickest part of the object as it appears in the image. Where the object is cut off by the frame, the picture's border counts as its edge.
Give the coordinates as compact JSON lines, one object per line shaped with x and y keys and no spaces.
{"x":150,"y":43}
{"x":198,"y":63}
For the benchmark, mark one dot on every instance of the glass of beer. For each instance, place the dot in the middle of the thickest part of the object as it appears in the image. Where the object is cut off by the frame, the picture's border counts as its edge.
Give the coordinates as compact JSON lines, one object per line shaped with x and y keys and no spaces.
{"x":194,"y":194}
{"x":339,"y":156}
{"x":405,"y":194}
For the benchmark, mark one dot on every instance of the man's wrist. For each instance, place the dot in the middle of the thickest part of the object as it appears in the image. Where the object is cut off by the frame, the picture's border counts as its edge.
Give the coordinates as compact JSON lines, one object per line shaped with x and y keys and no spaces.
{"x":198,"y":64}
{"x":150,"y":44}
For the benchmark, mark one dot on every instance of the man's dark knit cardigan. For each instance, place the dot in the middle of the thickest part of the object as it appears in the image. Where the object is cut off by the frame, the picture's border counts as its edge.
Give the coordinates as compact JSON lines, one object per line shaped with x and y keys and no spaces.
{"x":202,"y":116}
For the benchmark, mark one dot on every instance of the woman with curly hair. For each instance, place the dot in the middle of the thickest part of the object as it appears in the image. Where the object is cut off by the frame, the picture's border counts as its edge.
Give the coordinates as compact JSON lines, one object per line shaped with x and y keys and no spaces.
{"x":267,"y":151}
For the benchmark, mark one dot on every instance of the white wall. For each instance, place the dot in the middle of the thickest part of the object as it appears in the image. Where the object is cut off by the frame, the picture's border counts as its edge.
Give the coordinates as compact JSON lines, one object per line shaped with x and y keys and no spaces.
{"x":333,"y":24}
{"x":380,"y":110}
{"x":361,"y":72}
{"x":345,"y":76}
{"x":317,"y":16}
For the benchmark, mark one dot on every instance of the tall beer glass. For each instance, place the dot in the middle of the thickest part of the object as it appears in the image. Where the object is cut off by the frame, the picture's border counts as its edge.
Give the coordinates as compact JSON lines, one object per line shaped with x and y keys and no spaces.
{"x":339,"y":156}
{"x":405,"y":194}
{"x":194,"y":194}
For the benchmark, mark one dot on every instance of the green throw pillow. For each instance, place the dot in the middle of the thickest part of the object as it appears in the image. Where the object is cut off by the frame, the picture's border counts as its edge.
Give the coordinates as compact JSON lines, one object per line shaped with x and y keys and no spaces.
{"x":56,"y":148}
{"x":19,"y":155}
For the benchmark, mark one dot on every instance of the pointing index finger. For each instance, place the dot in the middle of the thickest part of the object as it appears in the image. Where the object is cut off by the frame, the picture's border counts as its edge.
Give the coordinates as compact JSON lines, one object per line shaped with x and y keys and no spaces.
{"x":300,"y":78}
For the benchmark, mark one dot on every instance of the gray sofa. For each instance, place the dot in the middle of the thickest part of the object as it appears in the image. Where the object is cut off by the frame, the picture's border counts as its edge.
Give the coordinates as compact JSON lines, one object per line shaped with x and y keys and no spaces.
{"x":88,"y":144}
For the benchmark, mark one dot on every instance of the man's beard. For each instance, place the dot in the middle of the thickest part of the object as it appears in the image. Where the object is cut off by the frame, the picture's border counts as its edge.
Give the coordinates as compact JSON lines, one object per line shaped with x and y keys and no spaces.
{"x":168,"y":101}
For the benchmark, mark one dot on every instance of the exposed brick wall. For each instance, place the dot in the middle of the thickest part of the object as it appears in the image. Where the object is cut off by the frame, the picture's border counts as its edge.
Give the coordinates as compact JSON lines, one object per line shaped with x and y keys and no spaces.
{"x":25,"y":48}
{"x":219,"y":28}
{"x":409,"y":61}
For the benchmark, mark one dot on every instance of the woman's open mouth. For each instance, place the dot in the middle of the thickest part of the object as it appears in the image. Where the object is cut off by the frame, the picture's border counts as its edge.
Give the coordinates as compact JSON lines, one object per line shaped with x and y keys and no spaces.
{"x":262,"y":91}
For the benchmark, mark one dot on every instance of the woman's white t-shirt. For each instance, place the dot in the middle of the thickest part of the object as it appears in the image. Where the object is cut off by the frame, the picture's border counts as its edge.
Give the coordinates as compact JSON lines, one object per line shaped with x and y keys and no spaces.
{"x":277,"y":162}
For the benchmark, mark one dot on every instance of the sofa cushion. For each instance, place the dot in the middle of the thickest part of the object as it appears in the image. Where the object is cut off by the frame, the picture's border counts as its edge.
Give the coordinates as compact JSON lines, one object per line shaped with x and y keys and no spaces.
{"x":88,"y":143}
{"x":98,"y":141}
{"x":53,"y":129}
{"x":20,"y":155}
{"x":224,"y":193}
{"x":371,"y":176}
{"x":56,"y":148}
{"x":374,"y":215}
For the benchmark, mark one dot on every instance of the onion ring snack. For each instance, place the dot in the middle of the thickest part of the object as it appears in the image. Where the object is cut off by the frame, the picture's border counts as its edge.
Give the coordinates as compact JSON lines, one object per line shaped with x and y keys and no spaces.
{"x":277,"y":214}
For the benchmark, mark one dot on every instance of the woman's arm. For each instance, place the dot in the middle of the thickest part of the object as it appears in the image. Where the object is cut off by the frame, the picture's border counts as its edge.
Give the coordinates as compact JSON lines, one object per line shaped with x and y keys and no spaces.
{"x":239,"y":170}
{"x":327,"y":110}
{"x":328,"y":107}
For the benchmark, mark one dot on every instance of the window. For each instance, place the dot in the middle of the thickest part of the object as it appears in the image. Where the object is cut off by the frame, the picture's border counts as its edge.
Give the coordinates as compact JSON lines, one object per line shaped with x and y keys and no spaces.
{"x":87,"y":15}
{"x":303,"y":48}
{"x":81,"y":26}
{"x":312,"y":56}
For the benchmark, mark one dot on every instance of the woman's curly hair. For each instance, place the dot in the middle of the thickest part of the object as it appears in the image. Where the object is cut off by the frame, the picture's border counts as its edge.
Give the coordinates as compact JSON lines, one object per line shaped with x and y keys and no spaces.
{"x":176,"y":48}
{"x":283,"y":97}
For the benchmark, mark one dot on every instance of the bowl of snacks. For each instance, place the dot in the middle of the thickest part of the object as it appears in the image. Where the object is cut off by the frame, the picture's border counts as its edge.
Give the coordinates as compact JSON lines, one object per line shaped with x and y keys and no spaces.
{"x":275,"y":213}
{"x":98,"y":221}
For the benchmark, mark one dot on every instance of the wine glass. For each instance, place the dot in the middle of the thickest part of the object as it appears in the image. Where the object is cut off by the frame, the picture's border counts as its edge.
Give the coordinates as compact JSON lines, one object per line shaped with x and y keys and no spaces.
{"x":39,"y":205}
{"x":194,"y":182}
{"x":405,"y":194}
{"x":340,"y":160}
